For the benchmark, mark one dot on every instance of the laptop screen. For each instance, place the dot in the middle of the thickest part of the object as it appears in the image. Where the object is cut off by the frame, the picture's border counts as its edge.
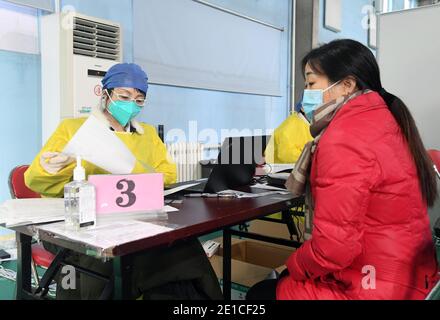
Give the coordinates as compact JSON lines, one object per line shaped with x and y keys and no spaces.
{"x":237,"y":162}
{"x":243,"y":150}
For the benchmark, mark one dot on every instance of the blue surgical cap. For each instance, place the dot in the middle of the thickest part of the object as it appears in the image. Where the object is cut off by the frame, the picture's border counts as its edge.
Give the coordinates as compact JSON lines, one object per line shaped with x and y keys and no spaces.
{"x":126,"y":75}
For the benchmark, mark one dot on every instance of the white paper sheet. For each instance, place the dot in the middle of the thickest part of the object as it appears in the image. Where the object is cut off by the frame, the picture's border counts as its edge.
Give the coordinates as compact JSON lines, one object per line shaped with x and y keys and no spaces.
{"x":181,"y":188}
{"x":31,"y":211}
{"x":24,"y":212}
{"x":108,"y":235}
{"x":97,"y":144}
{"x":158,"y":215}
{"x":282,"y":175}
{"x":279,"y":167}
{"x":266,"y":187}
{"x":170,"y":209}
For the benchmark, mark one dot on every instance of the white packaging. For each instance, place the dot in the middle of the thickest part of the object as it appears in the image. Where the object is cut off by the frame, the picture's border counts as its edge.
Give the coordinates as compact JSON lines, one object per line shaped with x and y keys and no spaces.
{"x":211,"y":248}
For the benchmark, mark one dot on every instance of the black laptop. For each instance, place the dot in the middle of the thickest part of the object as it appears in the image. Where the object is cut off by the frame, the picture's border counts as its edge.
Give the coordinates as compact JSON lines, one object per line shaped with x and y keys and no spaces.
{"x":236,"y":164}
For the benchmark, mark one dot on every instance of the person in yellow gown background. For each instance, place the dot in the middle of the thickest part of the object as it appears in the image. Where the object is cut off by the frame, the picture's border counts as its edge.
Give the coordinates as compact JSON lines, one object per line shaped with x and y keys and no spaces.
{"x":289,"y":139}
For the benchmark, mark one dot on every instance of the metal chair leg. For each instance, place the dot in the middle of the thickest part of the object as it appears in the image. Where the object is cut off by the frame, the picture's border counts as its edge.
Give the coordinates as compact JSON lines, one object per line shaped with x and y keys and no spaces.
{"x":35,"y":273}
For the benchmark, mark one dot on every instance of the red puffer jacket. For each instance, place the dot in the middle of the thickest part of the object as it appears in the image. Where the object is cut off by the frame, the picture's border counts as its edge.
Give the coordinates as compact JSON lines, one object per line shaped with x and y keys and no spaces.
{"x":371,"y":237}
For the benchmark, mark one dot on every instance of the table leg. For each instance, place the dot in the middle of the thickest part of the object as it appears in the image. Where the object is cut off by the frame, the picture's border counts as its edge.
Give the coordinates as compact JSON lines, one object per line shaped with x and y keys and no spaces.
{"x":50,"y":274}
{"x":287,"y":218}
{"x":121,"y":278}
{"x":24,"y":257}
{"x":227,"y":264}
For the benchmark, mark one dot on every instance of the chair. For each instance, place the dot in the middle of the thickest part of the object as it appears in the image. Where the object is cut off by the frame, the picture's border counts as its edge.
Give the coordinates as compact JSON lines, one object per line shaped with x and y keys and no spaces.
{"x":19,"y":190}
{"x":435,"y":156}
{"x":17,"y":187}
{"x":435,"y":293}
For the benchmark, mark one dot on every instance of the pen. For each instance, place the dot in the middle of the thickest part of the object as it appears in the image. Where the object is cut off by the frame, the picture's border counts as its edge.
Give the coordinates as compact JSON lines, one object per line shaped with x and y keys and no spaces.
{"x":210,"y":195}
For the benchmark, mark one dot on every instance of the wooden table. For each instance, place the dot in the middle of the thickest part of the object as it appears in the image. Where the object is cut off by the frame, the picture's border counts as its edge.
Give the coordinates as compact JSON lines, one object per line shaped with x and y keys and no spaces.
{"x":196,"y":217}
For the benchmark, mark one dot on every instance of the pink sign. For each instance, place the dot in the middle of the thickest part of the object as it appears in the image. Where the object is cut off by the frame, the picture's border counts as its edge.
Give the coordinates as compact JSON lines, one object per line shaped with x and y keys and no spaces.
{"x":128,"y":193}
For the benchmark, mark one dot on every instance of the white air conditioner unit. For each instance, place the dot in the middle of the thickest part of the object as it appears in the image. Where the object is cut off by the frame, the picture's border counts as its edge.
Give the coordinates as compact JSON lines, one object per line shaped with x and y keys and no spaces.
{"x":76,"y":52}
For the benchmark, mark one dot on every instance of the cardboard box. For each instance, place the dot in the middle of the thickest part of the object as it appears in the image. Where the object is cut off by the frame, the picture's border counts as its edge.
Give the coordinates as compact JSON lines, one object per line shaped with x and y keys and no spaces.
{"x":251,"y":263}
{"x":273,"y":229}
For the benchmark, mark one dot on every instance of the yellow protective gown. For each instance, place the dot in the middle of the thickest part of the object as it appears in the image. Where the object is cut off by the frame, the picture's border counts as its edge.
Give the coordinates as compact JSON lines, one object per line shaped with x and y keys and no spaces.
{"x":180,"y":263}
{"x":145,"y":145}
{"x":288,"y":140}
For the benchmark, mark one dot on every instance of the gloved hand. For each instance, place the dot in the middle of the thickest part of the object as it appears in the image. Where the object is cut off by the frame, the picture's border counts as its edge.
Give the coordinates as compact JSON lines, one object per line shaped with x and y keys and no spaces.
{"x":54,"y":162}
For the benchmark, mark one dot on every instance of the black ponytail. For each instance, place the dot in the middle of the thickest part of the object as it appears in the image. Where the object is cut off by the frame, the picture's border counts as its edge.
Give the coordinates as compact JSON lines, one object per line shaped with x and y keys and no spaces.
{"x":344,"y":58}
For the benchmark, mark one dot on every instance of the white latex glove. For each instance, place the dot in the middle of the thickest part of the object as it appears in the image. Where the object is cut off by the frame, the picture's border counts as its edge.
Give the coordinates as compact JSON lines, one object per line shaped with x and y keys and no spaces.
{"x":54,"y":162}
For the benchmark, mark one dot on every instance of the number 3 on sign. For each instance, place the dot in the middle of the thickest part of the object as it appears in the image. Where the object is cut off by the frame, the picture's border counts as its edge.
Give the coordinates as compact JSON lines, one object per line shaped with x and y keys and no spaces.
{"x":126,"y":187}
{"x":128,"y":193}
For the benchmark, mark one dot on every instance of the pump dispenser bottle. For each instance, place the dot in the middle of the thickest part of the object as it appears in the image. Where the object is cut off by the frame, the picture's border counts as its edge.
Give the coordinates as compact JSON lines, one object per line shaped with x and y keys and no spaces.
{"x":79,"y":200}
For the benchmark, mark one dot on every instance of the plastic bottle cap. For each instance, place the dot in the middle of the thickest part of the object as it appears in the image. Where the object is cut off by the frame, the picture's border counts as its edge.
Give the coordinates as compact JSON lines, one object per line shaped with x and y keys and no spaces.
{"x":79,"y":174}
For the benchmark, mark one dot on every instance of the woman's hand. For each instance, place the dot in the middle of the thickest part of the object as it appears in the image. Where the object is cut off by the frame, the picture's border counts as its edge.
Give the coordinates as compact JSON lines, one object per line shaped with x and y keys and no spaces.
{"x":54,"y":162}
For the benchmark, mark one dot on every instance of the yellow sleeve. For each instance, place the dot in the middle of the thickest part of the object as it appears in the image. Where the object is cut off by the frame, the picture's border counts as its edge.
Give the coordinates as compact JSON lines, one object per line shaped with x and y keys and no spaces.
{"x":161,"y":162}
{"x":42,"y":182}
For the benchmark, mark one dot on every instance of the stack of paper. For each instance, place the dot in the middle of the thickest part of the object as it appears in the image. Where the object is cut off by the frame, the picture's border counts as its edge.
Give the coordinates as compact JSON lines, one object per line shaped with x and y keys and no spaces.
{"x":21,"y":212}
{"x":14,"y":213}
{"x":108,"y":234}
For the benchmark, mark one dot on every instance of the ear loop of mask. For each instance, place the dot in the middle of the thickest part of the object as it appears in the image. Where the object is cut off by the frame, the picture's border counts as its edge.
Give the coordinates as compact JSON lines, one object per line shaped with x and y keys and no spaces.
{"x":103,"y":106}
{"x":333,"y":85}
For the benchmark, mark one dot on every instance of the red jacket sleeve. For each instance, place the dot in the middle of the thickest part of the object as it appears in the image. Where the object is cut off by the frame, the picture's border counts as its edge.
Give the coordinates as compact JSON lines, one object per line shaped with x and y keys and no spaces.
{"x":345,"y":171}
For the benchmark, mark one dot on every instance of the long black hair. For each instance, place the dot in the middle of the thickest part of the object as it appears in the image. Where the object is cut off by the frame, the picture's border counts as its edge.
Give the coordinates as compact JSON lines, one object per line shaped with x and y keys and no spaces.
{"x":340,"y":59}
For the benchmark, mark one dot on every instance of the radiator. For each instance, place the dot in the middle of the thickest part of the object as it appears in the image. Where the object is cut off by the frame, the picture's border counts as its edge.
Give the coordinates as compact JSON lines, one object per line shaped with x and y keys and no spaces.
{"x":187,"y":157}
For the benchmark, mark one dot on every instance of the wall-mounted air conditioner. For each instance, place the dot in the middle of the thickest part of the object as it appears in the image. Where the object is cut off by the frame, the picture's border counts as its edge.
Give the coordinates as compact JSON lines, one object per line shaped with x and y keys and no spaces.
{"x":76,"y":52}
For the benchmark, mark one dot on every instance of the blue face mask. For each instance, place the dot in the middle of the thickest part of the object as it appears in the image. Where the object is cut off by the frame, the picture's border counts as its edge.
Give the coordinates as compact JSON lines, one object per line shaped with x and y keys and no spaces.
{"x":124,"y":111}
{"x":313,"y":99}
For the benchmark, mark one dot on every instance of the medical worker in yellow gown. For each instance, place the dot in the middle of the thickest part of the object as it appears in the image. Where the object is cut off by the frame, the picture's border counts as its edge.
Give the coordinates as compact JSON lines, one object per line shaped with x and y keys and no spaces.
{"x":181,"y":271}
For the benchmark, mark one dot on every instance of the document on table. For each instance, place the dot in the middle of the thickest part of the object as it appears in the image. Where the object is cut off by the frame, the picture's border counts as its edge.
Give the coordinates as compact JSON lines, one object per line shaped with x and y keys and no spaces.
{"x":245,"y":195}
{"x":21,"y":212}
{"x":109,"y":234}
{"x":156,"y":215}
{"x":97,"y":144}
{"x":267,"y":187}
{"x":181,"y":188}
{"x":279,"y":167}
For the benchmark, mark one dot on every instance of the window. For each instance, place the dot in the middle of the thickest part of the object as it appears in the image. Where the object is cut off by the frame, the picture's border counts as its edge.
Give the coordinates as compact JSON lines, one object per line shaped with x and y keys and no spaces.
{"x":47,"y":5}
{"x":18,"y":28}
{"x":193,"y":45}
{"x":395,"y":5}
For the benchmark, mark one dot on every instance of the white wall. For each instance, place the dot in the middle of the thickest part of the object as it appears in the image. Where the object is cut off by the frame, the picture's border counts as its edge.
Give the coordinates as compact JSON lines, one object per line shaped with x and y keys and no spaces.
{"x":409,"y":57}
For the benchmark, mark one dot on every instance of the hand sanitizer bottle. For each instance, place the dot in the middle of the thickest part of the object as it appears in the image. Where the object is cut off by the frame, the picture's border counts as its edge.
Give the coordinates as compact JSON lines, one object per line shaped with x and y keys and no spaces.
{"x":79,"y":200}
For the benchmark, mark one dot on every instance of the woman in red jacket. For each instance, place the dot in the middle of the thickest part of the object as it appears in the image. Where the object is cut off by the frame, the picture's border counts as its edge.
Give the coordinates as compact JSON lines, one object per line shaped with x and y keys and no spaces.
{"x":370,"y":183}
